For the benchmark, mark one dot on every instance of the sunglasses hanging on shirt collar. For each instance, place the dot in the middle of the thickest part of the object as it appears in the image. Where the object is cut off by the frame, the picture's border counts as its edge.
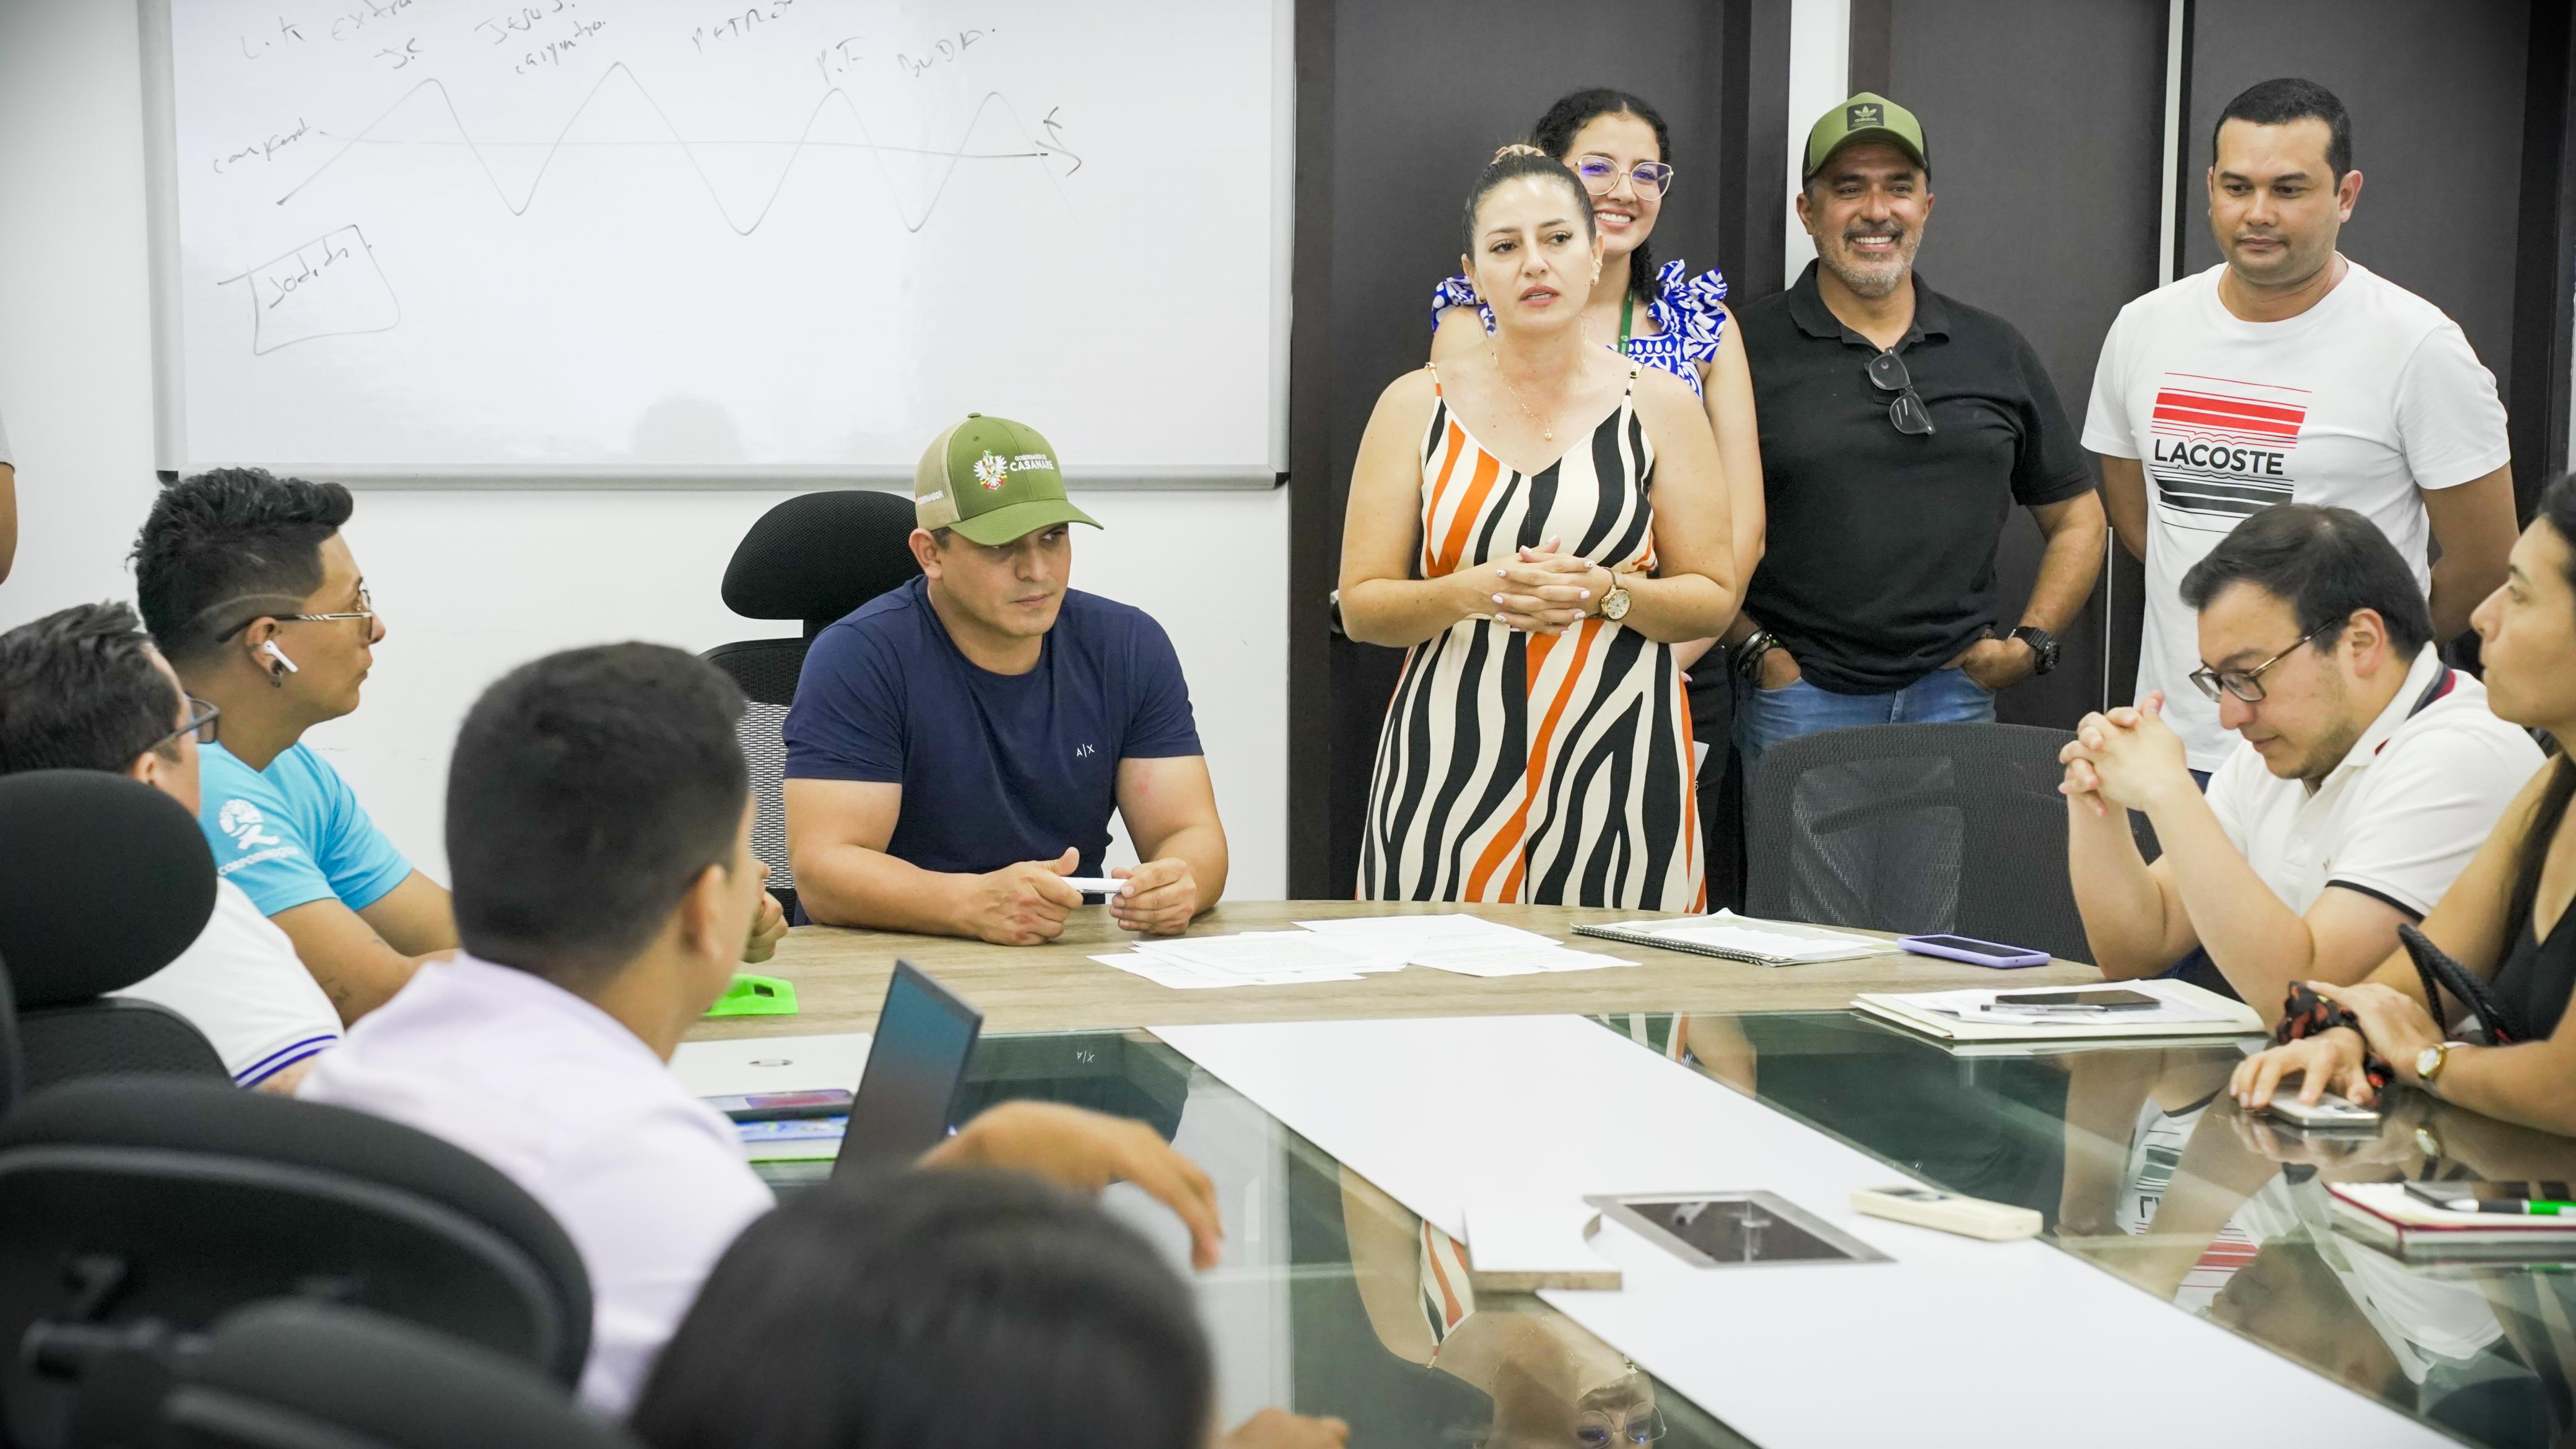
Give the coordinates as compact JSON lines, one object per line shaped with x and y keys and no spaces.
{"x":1887,"y":373}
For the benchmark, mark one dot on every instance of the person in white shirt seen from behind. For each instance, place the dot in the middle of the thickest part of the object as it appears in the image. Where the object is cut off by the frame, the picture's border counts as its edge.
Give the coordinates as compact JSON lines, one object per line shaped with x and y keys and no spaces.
{"x":599,"y":828}
{"x":2367,"y":774}
{"x":83,"y":689}
{"x":2291,"y":373}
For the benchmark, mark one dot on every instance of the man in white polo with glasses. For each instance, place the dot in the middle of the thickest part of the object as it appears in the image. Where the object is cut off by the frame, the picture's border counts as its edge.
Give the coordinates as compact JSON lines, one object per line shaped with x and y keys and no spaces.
{"x":2365,"y":772}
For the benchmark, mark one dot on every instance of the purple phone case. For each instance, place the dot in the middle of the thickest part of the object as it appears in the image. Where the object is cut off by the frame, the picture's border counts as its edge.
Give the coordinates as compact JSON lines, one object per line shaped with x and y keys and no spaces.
{"x":1926,"y":946}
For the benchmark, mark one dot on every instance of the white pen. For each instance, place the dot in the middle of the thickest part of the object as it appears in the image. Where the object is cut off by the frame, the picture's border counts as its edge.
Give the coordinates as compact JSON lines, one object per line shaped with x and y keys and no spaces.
{"x":1096,"y":885}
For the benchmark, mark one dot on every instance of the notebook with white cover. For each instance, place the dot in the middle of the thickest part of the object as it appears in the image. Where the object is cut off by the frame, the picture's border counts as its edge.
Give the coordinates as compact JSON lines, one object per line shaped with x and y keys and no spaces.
{"x":2185,"y":1010}
{"x":2386,"y":1216}
{"x":1743,"y":938}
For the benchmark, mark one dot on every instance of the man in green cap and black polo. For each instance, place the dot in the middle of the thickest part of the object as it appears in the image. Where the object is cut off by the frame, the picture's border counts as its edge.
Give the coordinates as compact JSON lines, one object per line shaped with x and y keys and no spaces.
{"x":957,"y":745}
{"x":1900,"y":428}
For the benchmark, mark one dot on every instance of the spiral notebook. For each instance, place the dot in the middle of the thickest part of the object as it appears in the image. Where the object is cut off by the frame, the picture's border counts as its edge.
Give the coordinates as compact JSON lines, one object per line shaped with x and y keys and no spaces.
{"x":1743,"y":938}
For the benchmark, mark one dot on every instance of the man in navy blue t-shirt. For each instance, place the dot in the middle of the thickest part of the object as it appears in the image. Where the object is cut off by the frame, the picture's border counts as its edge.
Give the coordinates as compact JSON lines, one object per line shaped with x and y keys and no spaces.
{"x":957,"y":745}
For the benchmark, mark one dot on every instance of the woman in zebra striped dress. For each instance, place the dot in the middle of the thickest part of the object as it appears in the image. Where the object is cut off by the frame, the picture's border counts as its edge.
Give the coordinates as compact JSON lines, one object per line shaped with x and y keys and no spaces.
{"x":1538,"y":746}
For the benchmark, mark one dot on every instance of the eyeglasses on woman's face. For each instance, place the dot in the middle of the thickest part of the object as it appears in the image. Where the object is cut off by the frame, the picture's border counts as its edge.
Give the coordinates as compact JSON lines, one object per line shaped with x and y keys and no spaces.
{"x":1601,"y":175}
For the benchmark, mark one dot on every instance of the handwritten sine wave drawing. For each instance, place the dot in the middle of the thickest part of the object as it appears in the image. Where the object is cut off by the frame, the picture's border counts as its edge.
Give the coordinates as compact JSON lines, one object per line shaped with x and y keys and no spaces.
{"x":1040,"y":149}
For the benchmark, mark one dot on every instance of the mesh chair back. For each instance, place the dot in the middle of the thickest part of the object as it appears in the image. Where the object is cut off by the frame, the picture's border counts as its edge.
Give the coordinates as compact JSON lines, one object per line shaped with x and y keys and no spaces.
{"x":135,"y":1200}
{"x":765,"y":670}
{"x":96,"y":1038}
{"x":1917,"y":828}
{"x":813,"y":558}
{"x":292,"y":1375}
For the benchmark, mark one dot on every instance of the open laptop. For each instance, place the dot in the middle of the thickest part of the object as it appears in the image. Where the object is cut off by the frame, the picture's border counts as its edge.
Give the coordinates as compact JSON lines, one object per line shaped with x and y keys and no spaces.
{"x":916,"y":1071}
{"x":907,"y":1096}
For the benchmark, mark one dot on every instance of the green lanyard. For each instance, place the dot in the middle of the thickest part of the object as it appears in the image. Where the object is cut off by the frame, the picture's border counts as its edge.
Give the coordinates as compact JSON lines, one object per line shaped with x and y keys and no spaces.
{"x":1627,"y":314}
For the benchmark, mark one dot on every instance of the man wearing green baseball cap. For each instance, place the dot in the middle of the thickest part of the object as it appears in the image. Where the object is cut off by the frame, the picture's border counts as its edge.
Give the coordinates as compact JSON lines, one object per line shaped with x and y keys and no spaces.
{"x":1900,"y":429}
{"x":957,"y":745}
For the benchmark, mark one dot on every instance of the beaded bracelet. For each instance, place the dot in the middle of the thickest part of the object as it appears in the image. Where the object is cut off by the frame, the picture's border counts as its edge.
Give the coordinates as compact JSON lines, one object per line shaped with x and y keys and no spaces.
{"x":2305,"y":1014}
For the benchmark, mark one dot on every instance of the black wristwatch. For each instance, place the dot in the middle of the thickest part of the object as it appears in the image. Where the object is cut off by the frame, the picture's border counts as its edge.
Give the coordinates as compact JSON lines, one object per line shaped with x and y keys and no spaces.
{"x":2043,"y":647}
{"x":1748,"y":655}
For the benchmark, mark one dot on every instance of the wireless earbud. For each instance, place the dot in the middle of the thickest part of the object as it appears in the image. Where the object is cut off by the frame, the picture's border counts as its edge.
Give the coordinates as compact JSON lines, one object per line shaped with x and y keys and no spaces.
{"x":272,"y":651}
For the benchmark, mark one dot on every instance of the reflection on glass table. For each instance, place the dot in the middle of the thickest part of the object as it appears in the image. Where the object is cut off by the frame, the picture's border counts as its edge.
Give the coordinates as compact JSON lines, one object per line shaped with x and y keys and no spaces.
{"x":2140,"y":1164}
{"x":1332,"y":1298}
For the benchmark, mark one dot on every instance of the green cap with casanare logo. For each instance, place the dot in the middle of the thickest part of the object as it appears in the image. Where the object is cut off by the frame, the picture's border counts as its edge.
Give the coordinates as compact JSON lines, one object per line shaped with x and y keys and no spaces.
{"x":993,"y":480}
{"x":1868,"y":116}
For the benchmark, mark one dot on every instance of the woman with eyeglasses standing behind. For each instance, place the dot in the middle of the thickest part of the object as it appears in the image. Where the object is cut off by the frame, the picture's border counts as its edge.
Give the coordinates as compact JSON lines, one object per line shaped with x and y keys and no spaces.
{"x":1540,"y":522}
{"x":1661,"y":316}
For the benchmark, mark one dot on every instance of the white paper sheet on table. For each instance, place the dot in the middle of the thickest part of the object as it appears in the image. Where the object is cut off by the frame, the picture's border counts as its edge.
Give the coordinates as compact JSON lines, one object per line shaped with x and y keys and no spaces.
{"x":1272,"y":953}
{"x":1404,"y":933}
{"x":1469,"y":960}
{"x":1181,"y":977}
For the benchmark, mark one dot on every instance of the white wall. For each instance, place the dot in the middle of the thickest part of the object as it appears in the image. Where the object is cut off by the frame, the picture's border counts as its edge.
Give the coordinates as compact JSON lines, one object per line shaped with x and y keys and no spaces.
{"x":1819,"y":78}
{"x":471,"y":583}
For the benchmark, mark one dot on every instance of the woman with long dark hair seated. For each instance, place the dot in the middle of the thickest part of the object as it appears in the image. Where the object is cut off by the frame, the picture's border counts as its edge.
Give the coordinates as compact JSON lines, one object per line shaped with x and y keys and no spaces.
{"x":2506,"y":919}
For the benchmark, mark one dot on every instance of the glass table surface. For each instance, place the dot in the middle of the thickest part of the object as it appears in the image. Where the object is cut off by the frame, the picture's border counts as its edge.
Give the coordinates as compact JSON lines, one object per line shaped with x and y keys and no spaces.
{"x":1333,"y":1299}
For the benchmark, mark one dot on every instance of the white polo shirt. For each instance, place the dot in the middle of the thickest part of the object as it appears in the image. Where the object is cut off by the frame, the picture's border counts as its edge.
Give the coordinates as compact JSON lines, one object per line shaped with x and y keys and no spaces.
{"x":649,"y":1182}
{"x":241,"y":983}
{"x":2413,"y":800}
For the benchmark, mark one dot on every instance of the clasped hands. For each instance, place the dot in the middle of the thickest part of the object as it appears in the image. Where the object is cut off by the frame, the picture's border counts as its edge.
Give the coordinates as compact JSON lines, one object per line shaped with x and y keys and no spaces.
{"x":1545,"y":590}
{"x":2127,"y":757}
{"x":1026,"y":904}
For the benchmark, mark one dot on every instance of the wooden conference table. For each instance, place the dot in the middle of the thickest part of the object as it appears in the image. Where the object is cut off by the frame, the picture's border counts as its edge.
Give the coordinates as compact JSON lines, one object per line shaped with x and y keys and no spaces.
{"x":840,"y":978}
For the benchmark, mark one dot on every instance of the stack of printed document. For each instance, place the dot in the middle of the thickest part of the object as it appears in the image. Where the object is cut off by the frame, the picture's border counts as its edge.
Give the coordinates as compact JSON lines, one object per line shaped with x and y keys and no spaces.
{"x":1254,"y":958}
{"x":1463,"y":944}
{"x":1346,"y":950}
{"x":2180,"y":1009}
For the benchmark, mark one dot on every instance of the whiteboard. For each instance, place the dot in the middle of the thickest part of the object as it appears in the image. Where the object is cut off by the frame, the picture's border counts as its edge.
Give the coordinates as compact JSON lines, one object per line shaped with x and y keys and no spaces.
{"x":681,"y":240}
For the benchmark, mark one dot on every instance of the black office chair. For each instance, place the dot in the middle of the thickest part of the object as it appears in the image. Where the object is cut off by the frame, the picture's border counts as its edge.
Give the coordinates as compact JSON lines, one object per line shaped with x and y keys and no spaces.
{"x":146,"y":1208}
{"x":301,"y":1375}
{"x":1917,"y":828}
{"x":103,"y":881}
{"x":812,"y":558}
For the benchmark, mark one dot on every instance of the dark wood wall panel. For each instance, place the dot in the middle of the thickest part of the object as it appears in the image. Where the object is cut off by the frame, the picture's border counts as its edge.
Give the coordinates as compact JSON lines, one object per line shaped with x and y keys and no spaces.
{"x":2047,"y":186}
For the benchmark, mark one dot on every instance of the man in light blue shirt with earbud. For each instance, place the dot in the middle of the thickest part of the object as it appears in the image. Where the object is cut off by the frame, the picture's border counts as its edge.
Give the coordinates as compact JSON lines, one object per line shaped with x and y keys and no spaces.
{"x":254,"y":597}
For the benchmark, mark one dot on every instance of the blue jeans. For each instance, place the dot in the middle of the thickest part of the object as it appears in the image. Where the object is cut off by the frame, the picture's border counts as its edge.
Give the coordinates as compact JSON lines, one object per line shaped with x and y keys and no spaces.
{"x":1767,"y":717}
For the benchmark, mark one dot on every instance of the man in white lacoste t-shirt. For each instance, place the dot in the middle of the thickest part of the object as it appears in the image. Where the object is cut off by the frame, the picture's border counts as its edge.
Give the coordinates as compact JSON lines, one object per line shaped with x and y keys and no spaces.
{"x":2367,"y":774}
{"x":2292,"y":374}
{"x":85,"y":689}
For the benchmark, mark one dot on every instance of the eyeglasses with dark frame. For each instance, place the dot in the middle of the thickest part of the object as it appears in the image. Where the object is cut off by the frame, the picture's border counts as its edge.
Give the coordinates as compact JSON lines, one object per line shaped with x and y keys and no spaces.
{"x":1606,"y":1427}
{"x":366,"y":610}
{"x":1600,"y":175}
{"x":201,"y":723}
{"x":1887,"y":373}
{"x":2247,"y":684}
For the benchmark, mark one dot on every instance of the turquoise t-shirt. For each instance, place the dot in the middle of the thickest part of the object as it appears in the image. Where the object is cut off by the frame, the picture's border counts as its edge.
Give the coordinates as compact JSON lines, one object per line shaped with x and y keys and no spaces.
{"x":293,"y":833}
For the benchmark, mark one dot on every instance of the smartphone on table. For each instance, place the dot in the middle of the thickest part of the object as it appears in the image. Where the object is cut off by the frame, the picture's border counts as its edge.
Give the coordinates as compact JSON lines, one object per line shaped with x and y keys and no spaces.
{"x":2327,"y":1113}
{"x":1972,"y":951}
{"x":784,"y":1106}
{"x":2103,"y":999}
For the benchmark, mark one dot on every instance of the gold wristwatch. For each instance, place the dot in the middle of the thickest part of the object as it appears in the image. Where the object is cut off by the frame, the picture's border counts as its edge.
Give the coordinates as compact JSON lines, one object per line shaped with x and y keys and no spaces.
{"x":2430,"y":1061}
{"x":1614,"y":604}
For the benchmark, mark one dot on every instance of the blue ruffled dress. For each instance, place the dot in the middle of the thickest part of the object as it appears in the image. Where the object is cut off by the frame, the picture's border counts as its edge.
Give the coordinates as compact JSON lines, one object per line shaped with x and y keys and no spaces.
{"x":1685,"y":309}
